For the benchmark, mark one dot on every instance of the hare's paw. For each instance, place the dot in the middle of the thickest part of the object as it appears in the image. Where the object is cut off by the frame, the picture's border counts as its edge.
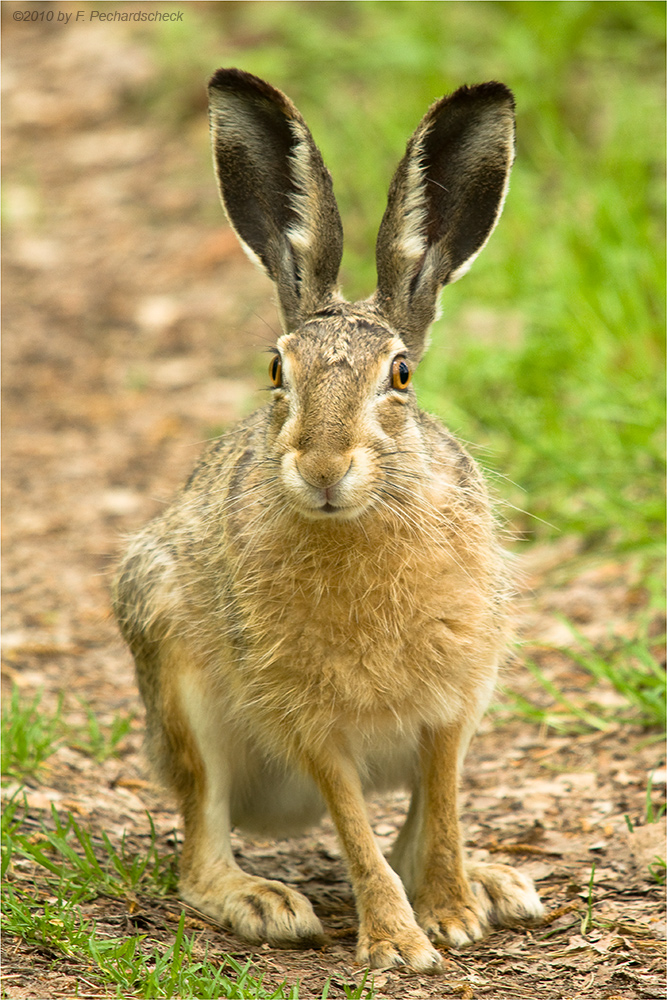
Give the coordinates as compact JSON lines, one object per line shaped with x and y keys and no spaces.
{"x":407,"y":946}
{"x":258,"y":909}
{"x":457,"y":924}
{"x":496,"y":895}
{"x":511,"y":895}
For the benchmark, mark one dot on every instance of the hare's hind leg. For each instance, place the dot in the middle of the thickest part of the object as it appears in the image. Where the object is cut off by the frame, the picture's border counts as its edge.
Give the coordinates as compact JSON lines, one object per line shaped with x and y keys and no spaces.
{"x":455,"y":904}
{"x":203,"y":762}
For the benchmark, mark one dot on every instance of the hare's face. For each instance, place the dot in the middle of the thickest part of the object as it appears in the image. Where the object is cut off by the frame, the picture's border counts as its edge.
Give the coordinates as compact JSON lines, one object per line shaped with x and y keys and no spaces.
{"x":344,"y":427}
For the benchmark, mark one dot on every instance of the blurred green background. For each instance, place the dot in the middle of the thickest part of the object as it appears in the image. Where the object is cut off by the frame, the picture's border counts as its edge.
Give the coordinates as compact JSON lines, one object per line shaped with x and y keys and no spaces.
{"x":549,"y":357}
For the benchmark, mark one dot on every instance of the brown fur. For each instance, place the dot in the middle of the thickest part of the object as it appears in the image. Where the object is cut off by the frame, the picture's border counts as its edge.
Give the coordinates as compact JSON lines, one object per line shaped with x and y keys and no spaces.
{"x":322,"y":609}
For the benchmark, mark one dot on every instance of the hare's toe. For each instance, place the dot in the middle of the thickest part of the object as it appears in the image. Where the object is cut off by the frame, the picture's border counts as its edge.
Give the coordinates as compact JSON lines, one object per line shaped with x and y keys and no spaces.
{"x":511,"y":894}
{"x":404,"y":948}
{"x":456,"y":926}
{"x":259,"y":910}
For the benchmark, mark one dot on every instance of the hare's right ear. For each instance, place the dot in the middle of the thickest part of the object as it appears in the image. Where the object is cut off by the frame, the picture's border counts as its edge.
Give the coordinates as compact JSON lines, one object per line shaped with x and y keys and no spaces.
{"x":276,"y":190}
{"x":444,"y":201}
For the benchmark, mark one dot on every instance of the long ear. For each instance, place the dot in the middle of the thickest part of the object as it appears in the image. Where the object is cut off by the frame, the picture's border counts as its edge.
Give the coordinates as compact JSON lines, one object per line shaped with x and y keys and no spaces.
{"x":276,"y":190}
{"x":444,"y":201}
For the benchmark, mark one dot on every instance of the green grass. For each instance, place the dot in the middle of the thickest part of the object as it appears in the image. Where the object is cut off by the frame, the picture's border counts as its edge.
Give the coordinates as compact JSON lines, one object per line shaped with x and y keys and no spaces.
{"x":128,"y":963}
{"x":31,"y":734}
{"x":99,"y":741}
{"x":629,"y":666}
{"x":65,"y":849}
{"x":587,"y":919}
{"x":550,"y":354}
{"x":658,"y":870}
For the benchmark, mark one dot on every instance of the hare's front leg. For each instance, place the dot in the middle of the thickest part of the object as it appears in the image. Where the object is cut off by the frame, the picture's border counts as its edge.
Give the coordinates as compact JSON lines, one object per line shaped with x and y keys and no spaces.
{"x":203,"y":766}
{"x":388,"y":932}
{"x":455,"y":904}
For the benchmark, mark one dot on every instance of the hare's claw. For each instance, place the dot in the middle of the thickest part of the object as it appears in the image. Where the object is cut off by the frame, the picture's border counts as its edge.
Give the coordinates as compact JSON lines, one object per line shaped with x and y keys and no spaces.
{"x":406,"y":947}
{"x":455,"y":927}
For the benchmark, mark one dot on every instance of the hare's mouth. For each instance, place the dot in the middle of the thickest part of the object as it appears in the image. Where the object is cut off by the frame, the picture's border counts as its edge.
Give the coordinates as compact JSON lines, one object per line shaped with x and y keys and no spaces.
{"x":326,"y":510}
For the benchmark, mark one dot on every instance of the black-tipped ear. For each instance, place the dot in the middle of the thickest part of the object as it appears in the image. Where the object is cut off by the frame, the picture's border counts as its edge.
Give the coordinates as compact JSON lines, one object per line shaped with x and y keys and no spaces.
{"x":276,"y":190}
{"x":444,"y":201}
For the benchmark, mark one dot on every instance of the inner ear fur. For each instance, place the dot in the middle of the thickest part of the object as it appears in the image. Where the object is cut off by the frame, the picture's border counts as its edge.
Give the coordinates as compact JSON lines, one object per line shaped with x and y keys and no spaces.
{"x":444,"y":202}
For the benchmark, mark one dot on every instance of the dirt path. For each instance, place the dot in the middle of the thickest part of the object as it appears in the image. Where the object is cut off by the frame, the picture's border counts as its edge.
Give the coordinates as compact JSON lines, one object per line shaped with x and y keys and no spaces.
{"x":132,"y":329}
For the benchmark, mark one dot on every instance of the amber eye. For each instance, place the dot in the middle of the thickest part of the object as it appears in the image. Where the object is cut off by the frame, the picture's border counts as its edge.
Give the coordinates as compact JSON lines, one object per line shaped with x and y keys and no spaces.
{"x":276,"y":370}
{"x":400,"y":374}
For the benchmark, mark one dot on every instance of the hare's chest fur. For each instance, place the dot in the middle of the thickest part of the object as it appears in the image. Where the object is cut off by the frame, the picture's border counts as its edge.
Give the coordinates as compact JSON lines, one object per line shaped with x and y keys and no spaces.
{"x":361,"y":625}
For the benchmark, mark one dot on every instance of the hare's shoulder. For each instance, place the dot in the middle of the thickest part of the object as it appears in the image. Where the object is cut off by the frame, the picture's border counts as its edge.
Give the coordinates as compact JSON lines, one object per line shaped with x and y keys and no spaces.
{"x":450,"y":456}
{"x":230,"y":455}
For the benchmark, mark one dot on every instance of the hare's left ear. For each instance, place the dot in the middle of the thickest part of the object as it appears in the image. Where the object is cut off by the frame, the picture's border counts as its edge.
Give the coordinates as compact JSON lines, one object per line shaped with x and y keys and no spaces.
{"x":444,"y":201}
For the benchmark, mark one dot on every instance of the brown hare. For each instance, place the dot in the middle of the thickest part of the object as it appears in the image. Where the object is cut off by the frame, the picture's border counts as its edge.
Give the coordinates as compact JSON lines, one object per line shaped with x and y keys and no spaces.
{"x":322,"y":610}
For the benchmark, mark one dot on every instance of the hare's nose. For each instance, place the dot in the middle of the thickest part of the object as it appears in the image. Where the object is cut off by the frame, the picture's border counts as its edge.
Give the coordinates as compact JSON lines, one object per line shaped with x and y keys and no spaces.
{"x":322,"y":470}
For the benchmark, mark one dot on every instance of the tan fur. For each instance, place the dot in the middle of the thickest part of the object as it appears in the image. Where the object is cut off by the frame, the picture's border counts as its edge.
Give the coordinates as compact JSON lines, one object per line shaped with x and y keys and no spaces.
{"x":322,"y":610}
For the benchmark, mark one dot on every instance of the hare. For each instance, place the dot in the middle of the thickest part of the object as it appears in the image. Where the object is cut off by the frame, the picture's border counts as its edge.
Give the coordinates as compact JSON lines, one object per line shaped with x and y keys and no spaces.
{"x":322,"y":610}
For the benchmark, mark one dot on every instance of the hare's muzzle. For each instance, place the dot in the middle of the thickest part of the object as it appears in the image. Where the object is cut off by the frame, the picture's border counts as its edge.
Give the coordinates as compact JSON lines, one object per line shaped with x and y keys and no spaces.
{"x":325,"y":485}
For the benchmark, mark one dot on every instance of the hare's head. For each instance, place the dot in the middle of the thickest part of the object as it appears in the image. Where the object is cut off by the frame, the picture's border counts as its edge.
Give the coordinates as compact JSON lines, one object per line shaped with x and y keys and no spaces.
{"x":344,"y":425}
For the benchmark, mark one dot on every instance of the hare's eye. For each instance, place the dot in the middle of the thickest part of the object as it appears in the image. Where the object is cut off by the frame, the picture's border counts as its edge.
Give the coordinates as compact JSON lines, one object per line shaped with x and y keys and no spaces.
{"x":276,"y":370}
{"x":400,"y":374}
